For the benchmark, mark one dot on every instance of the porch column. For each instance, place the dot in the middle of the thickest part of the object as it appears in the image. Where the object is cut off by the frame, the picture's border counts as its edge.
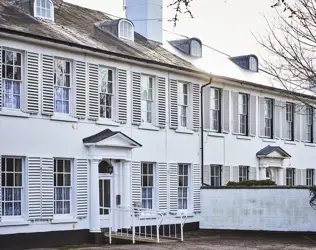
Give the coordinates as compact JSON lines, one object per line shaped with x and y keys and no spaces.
{"x":126,"y":199}
{"x":94,"y":212}
{"x":280,"y":176}
{"x":262,"y":174}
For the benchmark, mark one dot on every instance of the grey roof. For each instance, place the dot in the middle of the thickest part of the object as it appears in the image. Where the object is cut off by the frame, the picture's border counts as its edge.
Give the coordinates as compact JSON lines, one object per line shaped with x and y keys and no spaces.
{"x":269,"y":149}
{"x":107,"y":133}
{"x":75,"y":26}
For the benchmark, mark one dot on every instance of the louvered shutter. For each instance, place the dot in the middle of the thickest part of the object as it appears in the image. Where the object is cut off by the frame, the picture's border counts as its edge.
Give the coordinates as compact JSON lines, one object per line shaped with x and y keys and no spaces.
{"x":252,"y":173}
{"x":196,"y":106}
{"x":225,"y":175}
{"x":1,"y":78}
{"x":314,"y":125}
{"x":297,"y":177}
{"x":196,"y":188}
{"x":283,"y":119}
{"x":136,"y":97}
{"x":236,"y":173}
{"x":173,"y":187}
{"x":136,"y":183}
{"x":173,"y":98}
{"x":235,"y":112}
{"x":276,"y":120}
{"x":81,"y":104}
{"x":93,"y":89}
{"x":206,"y":108}
{"x":304,"y":134}
{"x":303,"y":177}
{"x":0,"y":170}
{"x":82,"y":187}
{"x":161,"y":102}
{"x":225,"y":112}
{"x":163,"y":186}
{"x":206,"y":175}
{"x":122,"y":96}
{"x":34,"y":187}
{"x":261,"y":117}
{"x":48,"y":85}
{"x":252,"y":117}
{"x":32,"y":83}
{"x":297,"y":122}
{"x":47,"y":190}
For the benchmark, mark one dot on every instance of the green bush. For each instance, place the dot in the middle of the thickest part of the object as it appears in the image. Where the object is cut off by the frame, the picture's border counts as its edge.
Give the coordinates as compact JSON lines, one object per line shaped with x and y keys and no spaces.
{"x":251,"y":183}
{"x":313,"y":189}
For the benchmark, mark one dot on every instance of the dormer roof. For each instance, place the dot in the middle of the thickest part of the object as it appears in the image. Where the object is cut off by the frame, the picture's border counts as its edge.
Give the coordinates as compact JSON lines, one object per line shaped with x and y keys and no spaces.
{"x":187,"y":46}
{"x":249,"y":62}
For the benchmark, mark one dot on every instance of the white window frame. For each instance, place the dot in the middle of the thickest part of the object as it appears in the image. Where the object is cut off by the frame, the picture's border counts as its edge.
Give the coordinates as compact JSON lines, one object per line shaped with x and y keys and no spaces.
{"x":289,"y":110}
{"x":184,"y":106}
{"x":243,"y":173}
{"x":22,"y":187}
{"x":183,"y":187}
{"x":215,"y":175}
{"x":196,"y":48}
{"x":148,"y":187}
{"x":309,"y":123}
{"x":290,"y":177}
{"x":310,"y":180}
{"x":215,"y":109}
{"x":268,"y":117}
{"x":37,"y":5}
{"x":145,"y":100}
{"x":126,"y":30}
{"x":243,"y":113}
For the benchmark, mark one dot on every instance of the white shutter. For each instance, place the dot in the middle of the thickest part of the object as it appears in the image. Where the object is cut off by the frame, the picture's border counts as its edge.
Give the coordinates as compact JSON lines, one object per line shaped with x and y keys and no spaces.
{"x":196,"y":106}
{"x":236,"y":173}
{"x":34,"y":187}
{"x":225,"y":111}
{"x":206,"y":175}
{"x":276,"y":120}
{"x":81,"y":105}
{"x":283,"y":119}
{"x":163,"y":186}
{"x":0,"y":81}
{"x":297,"y":122}
{"x":136,"y":183}
{"x":47,"y":190}
{"x":252,"y":116}
{"x":303,"y":177}
{"x":261,"y":117}
{"x":196,"y":188}
{"x":93,"y":97}
{"x":304,"y":135}
{"x":136,"y":103}
{"x":161,"y":102}
{"x":252,"y":173}
{"x":297,"y":177}
{"x":82,"y":187}
{"x":314,"y":126}
{"x":235,"y":121}
{"x":173,"y":99}
{"x":225,"y":175}
{"x":32,"y":83}
{"x":48,"y":85}
{"x":173,"y":187}
{"x":206,"y":108}
{"x":122,"y":95}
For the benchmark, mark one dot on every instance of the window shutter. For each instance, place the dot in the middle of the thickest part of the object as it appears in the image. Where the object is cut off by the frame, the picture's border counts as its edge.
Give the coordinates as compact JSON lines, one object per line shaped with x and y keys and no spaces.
{"x":163,"y":186}
{"x":207,"y":175}
{"x":93,"y":112}
{"x":261,"y":117}
{"x":304,"y":134}
{"x":82,"y":187}
{"x":276,"y":120}
{"x":136,"y":183}
{"x":196,"y":106}
{"x":298,"y":177}
{"x":0,"y":81}
{"x":48,"y":85}
{"x":283,"y":119}
{"x":32,"y":82}
{"x":303,"y":177}
{"x":225,"y":111}
{"x":173,"y":187}
{"x":173,"y":96}
{"x":196,"y":188}
{"x":225,"y":175}
{"x":252,"y":173}
{"x":206,"y":108}
{"x":236,"y":173}
{"x":47,"y":190}
{"x":297,"y":122}
{"x":122,"y":95}
{"x":252,"y":117}
{"x":34,"y":187}
{"x":0,"y":162}
{"x":136,"y":109}
{"x":81,"y":90}
{"x":235,"y":112}
{"x":314,"y":126}
{"x":161,"y":102}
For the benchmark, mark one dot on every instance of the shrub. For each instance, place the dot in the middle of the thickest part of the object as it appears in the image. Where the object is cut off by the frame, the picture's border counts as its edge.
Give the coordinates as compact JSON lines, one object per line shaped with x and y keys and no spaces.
{"x":251,"y":183}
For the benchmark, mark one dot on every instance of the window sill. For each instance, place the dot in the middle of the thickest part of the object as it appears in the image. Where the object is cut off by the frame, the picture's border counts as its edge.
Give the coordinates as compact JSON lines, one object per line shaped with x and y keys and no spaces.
{"x":243,"y":137}
{"x":146,"y":126}
{"x":107,"y":122}
{"x":290,"y":142}
{"x":184,"y":130}
{"x":15,"y":113}
{"x":63,"y":118}
{"x":269,"y":140}
{"x":310,"y":144}
{"x":214,"y":134}
{"x":14,"y":223}
{"x":64,"y":221}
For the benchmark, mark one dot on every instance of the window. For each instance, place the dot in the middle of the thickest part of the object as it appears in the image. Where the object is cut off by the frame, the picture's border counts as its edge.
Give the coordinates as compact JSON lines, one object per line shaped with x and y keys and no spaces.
{"x":183,"y":104}
{"x":216,"y":172}
{"x":44,"y":9}
{"x":147,"y":99}
{"x":309,"y":177}
{"x":12,"y":186}
{"x":290,"y":172}
{"x":147,"y":173}
{"x":268,"y":117}
{"x":196,"y":49}
{"x":126,"y":30}
{"x":183,"y":186}
{"x":243,"y":173}
{"x":62,"y":186}
{"x":289,"y":121}
{"x":106,"y":93}
{"x":243,"y":113}
{"x":11,"y":79}
{"x":253,"y":64}
{"x":62,"y":86}
{"x":215,"y":109}
{"x":309,"y":123}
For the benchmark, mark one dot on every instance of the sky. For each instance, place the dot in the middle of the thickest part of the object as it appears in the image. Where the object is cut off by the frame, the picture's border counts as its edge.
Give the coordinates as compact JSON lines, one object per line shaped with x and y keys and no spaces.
{"x":227,"y":25}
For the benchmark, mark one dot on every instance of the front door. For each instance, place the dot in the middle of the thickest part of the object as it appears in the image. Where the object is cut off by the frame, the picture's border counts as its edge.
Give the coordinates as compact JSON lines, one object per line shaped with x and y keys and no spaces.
{"x":104,"y":196}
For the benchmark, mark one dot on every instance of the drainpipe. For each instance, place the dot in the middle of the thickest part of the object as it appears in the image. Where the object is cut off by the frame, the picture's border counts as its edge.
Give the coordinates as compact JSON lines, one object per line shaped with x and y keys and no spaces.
{"x":202,"y":131}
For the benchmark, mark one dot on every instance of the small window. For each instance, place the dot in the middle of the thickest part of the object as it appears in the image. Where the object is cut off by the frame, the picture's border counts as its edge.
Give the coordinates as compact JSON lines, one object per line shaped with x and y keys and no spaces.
{"x":147,"y":173}
{"x":243,"y":113}
{"x":289,"y":121}
{"x":243,"y":173}
{"x":147,"y":99}
{"x":196,"y":49}
{"x":126,"y":30}
{"x":106,"y":93}
{"x":183,"y":186}
{"x":216,"y":171}
{"x":268,"y":118}
{"x":290,"y":173}
{"x":309,"y":124}
{"x":215,"y":109}
{"x":309,"y":177}
{"x":183,"y":104}
{"x":253,"y":64}
{"x":44,"y":9}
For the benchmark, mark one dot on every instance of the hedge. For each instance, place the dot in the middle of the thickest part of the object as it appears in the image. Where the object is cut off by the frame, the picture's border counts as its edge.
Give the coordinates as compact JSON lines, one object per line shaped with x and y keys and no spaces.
{"x":251,"y":183}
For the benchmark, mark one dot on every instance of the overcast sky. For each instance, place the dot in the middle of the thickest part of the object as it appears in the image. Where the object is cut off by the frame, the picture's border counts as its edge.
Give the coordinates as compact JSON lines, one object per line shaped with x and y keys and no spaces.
{"x":226,"y":25}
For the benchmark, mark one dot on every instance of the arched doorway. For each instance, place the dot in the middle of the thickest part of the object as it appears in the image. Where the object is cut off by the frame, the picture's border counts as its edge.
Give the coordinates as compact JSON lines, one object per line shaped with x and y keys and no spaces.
{"x":105,"y":188}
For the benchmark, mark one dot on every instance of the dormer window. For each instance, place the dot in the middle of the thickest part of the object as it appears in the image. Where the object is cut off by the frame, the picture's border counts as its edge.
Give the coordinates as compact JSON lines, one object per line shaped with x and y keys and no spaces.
{"x":189,"y":46}
{"x":196,"y":49}
{"x":126,"y":30}
{"x":249,"y":62}
{"x":253,"y":64}
{"x":44,"y":9}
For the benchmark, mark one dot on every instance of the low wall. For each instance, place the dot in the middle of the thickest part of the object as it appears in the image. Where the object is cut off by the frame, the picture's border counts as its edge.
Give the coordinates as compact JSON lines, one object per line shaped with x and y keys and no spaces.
{"x":268,"y":209}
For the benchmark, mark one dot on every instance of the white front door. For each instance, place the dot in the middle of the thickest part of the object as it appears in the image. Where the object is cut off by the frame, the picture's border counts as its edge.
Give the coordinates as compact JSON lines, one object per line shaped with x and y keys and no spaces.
{"x":105,"y":199}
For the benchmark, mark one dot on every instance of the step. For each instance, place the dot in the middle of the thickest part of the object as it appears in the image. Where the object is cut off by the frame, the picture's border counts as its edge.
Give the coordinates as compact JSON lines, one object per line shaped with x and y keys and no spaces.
{"x":141,"y":239}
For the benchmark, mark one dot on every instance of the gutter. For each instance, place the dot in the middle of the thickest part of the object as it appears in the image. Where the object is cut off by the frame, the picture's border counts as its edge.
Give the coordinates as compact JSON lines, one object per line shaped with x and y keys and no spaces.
{"x":202,"y":131}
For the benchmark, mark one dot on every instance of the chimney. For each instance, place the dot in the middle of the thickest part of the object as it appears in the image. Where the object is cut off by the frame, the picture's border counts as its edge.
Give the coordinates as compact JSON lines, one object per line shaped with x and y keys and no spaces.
{"x":146,"y":16}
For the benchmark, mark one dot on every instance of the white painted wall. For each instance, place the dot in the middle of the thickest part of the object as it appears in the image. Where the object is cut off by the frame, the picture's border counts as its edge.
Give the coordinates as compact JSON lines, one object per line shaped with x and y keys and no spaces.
{"x":269,"y":209}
